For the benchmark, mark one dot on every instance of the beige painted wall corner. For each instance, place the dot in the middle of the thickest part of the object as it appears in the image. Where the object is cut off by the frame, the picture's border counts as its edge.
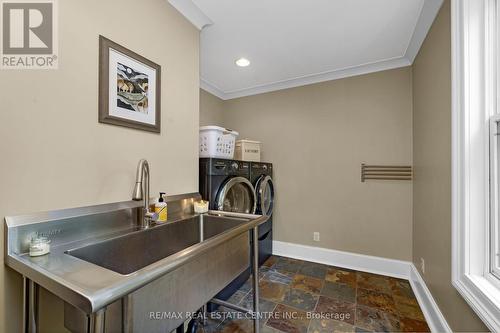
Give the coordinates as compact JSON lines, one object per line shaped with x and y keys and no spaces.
{"x":432,"y":182}
{"x":317,"y":136}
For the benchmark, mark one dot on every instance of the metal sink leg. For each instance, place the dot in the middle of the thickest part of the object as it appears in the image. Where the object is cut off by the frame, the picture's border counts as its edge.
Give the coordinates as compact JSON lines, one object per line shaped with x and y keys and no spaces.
{"x":30,"y":316}
{"x":98,"y":321}
{"x":31,"y":293}
{"x":255,"y":258}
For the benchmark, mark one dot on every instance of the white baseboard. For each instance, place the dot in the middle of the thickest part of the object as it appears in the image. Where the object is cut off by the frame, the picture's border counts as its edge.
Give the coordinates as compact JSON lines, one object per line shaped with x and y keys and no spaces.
{"x":433,"y":315}
{"x":359,"y":262}
{"x":377,"y":265}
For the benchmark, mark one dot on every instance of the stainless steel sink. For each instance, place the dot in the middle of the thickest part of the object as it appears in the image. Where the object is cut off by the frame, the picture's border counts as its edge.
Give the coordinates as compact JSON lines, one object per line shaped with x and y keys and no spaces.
{"x":129,"y":253}
{"x":112,"y":276}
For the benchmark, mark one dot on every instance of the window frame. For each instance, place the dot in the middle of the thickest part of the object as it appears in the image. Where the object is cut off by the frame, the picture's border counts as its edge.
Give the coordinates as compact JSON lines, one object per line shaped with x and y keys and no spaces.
{"x":494,"y":237}
{"x":474,"y":103}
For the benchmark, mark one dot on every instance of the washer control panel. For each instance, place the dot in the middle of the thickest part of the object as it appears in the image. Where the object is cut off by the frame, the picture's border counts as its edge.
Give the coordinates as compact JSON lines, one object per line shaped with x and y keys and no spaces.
{"x":263,"y":168}
{"x":229,"y":167}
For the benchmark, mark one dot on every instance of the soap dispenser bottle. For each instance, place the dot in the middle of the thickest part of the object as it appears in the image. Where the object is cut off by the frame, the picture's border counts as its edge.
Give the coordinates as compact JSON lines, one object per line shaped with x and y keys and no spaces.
{"x":161,"y":208}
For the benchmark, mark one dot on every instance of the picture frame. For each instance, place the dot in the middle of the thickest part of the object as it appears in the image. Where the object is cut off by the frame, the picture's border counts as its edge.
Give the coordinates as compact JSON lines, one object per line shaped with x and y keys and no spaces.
{"x":129,"y":88}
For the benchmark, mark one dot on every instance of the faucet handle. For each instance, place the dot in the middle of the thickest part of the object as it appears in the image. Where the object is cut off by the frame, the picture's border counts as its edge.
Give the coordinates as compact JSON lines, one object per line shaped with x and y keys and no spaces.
{"x":151,"y":215}
{"x":148,"y":219}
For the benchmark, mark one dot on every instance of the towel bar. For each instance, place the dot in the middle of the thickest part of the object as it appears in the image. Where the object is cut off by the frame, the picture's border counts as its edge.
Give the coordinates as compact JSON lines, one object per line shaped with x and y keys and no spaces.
{"x":386,"y":172}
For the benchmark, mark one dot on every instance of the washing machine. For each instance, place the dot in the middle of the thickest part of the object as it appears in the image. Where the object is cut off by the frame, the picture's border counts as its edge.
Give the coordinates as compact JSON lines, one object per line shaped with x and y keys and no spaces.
{"x":261,"y":176}
{"x":226,"y":185}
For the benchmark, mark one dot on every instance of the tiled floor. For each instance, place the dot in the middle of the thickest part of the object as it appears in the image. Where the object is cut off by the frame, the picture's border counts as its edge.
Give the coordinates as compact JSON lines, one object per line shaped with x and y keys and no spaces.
{"x":304,"y":297}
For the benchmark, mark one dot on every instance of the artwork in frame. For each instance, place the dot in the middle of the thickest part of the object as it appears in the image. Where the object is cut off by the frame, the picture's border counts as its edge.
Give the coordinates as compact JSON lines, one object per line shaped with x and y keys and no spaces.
{"x":129,"y":88}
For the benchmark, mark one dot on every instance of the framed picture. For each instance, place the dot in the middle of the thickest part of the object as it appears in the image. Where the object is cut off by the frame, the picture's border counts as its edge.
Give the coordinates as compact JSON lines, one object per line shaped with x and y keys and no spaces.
{"x":129,"y":88}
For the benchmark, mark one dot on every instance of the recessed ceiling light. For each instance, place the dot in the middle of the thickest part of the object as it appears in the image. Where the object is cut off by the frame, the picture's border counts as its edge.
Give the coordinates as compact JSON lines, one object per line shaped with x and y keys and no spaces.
{"x":242,"y":62}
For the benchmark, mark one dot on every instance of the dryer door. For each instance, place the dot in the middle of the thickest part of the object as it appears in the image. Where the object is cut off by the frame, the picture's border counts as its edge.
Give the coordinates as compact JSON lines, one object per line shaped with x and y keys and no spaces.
{"x":265,"y":195}
{"x":237,"y":195}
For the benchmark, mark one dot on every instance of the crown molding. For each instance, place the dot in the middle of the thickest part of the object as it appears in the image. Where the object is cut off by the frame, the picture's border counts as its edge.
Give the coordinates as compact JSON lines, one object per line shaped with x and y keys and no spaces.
{"x":427,"y":15}
{"x":213,"y":89}
{"x":192,"y":13}
{"x":306,"y":80}
{"x":429,"y":12}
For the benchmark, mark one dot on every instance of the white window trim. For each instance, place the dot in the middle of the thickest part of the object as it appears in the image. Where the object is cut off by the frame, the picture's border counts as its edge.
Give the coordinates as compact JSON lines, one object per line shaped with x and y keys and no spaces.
{"x":494,"y":182}
{"x":474,"y":91}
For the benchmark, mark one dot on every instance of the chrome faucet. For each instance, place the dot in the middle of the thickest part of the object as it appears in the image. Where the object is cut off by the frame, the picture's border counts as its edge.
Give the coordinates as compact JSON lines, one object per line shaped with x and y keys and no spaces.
{"x":141,"y":186}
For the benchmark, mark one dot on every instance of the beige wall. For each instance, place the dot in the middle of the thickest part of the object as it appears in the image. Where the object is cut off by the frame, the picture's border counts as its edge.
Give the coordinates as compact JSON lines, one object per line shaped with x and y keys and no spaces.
{"x":432,"y":183}
{"x":317,"y":136}
{"x":211,"y":109}
{"x":54,"y":152}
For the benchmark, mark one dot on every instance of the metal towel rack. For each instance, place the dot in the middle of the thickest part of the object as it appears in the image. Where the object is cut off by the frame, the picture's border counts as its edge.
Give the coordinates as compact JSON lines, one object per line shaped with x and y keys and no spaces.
{"x":386,"y":172}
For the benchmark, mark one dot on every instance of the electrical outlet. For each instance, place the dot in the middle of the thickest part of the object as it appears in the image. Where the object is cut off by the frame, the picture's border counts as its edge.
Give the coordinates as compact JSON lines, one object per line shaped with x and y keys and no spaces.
{"x":316,"y":236}
{"x":422,"y":265}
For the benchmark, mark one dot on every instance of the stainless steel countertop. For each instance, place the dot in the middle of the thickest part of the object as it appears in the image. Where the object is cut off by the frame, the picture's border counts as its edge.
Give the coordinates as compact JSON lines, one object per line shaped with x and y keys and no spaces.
{"x":86,"y":285}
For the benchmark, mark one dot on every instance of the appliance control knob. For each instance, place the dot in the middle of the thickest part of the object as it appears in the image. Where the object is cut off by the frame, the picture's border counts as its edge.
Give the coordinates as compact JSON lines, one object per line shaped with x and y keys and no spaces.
{"x":264,"y":167}
{"x":235,"y":166}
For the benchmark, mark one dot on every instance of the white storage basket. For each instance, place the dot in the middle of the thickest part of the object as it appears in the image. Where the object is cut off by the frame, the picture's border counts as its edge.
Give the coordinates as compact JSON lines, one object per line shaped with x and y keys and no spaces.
{"x":247,"y":150}
{"x":217,"y":142}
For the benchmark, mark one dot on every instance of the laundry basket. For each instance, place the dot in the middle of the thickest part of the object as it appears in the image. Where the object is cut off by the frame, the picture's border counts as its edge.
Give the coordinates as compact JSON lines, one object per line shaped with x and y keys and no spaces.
{"x":217,"y":142}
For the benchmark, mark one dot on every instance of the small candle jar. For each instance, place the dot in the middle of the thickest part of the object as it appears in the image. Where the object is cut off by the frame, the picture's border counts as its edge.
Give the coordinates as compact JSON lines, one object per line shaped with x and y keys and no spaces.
{"x":201,"y":207}
{"x":39,"y":246}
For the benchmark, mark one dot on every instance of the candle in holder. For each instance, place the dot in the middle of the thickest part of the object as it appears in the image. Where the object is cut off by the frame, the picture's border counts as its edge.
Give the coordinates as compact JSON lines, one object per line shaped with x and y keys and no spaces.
{"x":201,"y":207}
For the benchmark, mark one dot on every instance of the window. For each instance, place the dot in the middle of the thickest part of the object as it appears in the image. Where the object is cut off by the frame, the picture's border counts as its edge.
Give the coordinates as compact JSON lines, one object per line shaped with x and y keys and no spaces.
{"x":476,"y":157}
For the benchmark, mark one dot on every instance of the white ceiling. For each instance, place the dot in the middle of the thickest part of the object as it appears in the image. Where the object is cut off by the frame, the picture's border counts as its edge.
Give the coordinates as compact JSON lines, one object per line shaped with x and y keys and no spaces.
{"x":296,"y":42}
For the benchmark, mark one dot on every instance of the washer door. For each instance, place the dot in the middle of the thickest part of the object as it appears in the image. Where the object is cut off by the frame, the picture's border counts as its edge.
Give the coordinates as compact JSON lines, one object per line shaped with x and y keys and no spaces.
{"x":237,"y":195}
{"x":265,"y":195}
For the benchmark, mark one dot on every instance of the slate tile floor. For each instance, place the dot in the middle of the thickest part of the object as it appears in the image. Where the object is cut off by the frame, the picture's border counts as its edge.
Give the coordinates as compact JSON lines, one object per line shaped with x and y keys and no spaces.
{"x":305,"y":297}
